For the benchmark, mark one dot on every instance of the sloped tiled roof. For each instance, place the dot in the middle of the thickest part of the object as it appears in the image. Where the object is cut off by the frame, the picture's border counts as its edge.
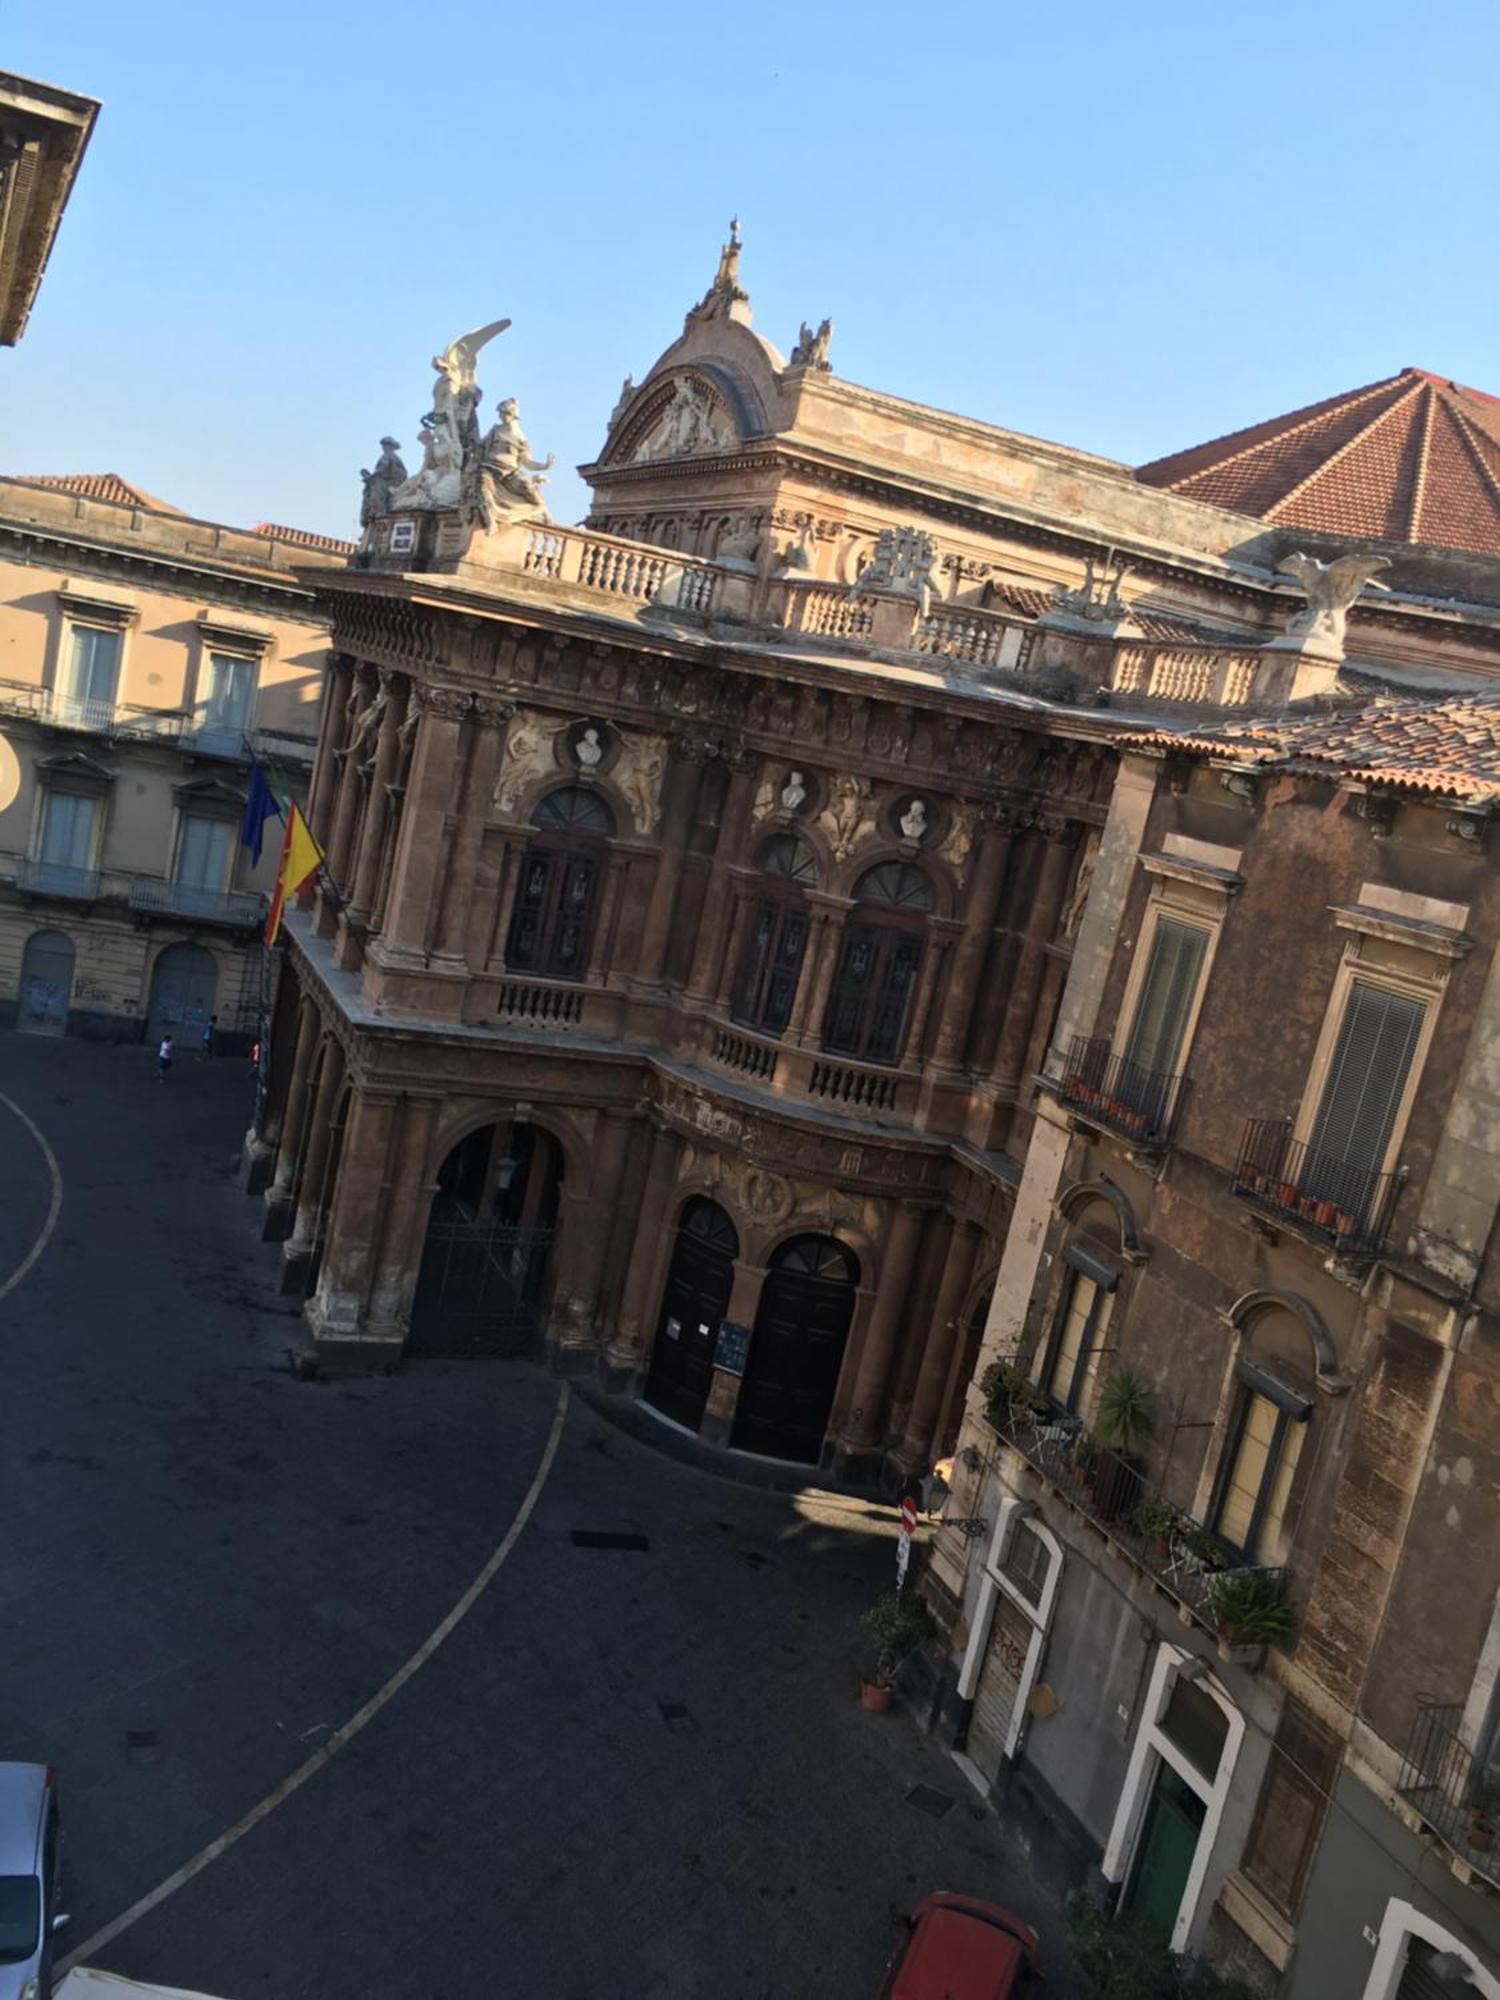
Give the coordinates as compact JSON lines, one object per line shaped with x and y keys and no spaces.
{"x":304,"y":538}
{"x":1448,"y":747}
{"x":1412,"y":458}
{"x":100,"y":486}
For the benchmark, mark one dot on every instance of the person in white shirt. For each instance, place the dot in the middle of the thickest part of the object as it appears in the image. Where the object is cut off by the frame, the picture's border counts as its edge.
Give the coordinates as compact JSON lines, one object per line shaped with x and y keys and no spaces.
{"x":164,"y":1058}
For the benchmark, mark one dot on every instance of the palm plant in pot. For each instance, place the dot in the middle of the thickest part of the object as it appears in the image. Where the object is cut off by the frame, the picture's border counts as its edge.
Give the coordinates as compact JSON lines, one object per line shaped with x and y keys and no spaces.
{"x":1011,"y":1397}
{"x":1125,"y":1421}
{"x":898,"y":1624}
{"x":1252,"y":1607}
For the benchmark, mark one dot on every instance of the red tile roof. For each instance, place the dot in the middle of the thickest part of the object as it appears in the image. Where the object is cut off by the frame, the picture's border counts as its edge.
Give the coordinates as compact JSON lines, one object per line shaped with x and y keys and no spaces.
{"x":100,"y":486}
{"x":1448,"y":747}
{"x":1412,"y":458}
{"x":304,"y":538}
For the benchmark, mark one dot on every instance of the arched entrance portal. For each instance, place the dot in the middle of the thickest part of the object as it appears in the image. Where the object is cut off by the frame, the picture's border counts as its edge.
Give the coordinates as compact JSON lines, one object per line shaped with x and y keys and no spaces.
{"x":484,"y":1279}
{"x":796,"y":1350}
{"x":46,"y":983}
{"x":694,"y":1301}
{"x":184,"y":988}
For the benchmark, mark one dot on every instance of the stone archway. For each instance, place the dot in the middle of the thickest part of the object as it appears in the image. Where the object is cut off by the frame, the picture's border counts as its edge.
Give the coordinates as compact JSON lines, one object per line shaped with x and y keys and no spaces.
{"x":46,"y":983}
{"x":485,"y":1274}
{"x":184,"y":990}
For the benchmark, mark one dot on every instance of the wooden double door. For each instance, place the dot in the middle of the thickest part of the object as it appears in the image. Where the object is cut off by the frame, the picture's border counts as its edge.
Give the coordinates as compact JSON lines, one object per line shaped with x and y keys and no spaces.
{"x":694,"y":1302}
{"x":796,"y":1350}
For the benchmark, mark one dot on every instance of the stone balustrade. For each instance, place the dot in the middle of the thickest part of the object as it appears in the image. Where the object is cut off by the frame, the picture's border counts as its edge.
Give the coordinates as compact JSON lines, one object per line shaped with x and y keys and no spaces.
{"x":1200,"y":674}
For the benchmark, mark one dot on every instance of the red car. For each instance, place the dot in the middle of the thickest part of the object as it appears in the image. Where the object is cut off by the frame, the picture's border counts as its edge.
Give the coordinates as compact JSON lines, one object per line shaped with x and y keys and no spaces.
{"x":962,"y":1949}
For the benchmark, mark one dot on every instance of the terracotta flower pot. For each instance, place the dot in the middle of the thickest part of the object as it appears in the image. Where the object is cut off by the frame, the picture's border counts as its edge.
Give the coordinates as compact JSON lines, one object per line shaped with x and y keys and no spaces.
{"x":1481,"y":1835}
{"x":875,"y":1695}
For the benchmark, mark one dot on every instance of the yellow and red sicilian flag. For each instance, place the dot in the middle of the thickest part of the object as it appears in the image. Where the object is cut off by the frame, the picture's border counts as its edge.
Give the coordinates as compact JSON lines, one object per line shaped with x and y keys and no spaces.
{"x":301,"y":858}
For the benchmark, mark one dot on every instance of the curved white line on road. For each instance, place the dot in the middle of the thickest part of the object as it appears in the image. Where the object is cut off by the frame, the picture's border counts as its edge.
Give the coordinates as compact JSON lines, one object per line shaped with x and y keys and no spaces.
{"x":54,"y":1207}
{"x":351,"y":1728}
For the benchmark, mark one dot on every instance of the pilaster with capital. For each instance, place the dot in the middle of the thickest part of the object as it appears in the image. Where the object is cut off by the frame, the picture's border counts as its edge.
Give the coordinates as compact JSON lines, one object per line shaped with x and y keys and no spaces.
{"x":1059,"y":837}
{"x":718,"y":903}
{"x":914,"y":1454}
{"x":861,"y":1433}
{"x":680,"y":788}
{"x":483,"y":734}
{"x":440,"y":714}
{"x":280,"y":1193}
{"x":333,"y":730}
{"x":981,"y":904}
{"x":356,"y":1217}
{"x":312,"y":1183}
{"x":395,"y":688}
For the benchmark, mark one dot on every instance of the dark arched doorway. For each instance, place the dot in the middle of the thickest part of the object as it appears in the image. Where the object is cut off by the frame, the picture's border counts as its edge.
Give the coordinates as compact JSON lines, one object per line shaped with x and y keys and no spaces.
{"x":184,"y":989}
{"x":46,"y":983}
{"x":796,"y":1350}
{"x":483,"y":1284}
{"x":693,"y":1303}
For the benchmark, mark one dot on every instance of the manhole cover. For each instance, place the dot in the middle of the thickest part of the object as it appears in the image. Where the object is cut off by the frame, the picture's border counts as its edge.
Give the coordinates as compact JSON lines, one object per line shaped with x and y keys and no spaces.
{"x":142,"y":1745}
{"x":926,"y":1800}
{"x":678,"y":1717}
{"x":603,"y":1538}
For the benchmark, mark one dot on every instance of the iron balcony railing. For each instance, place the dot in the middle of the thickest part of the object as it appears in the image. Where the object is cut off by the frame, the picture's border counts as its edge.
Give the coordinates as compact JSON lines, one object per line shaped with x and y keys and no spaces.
{"x":1346,"y":1205}
{"x":153,"y":896}
{"x":55,"y":878}
{"x":1111,"y":1489}
{"x":1449,"y":1787}
{"x":1118,"y":1093}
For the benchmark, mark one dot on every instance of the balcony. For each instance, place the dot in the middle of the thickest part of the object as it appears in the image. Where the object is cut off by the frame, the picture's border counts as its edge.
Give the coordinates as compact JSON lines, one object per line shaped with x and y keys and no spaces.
{"x":1450,"y":1788}
{"x":1332,"y":1200}
{"x":1245,"y":1606}
{"x":151,"y":896}
{"x":1121,"y":1095}
{"x":56,"y":879}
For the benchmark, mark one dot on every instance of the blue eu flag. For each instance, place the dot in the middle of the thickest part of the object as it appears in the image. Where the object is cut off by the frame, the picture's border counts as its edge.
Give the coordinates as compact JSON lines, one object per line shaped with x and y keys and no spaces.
{"x":261,"y":804}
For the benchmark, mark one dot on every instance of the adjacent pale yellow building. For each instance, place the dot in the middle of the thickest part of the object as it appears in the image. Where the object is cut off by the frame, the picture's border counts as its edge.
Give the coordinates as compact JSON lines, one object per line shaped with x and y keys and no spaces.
{"x":143,"y":656}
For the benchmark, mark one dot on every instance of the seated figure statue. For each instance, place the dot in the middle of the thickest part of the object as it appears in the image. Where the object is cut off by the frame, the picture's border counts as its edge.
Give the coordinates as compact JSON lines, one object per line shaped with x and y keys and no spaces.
{"x":510,"y":480}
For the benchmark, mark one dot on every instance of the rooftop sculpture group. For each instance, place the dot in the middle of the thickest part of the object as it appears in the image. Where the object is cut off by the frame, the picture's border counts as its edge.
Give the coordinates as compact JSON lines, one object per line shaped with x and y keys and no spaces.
{"x":490,"y":478}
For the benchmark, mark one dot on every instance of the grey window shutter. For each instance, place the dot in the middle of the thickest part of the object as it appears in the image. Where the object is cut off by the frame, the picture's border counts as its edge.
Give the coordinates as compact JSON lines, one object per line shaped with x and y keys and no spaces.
{"x":1167,"y":991}
{"x":1371,"y":1063}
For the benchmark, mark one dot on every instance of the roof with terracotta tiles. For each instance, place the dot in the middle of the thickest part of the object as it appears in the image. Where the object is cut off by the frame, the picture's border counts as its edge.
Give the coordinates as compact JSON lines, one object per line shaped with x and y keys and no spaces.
{"x":1412,"y":458}
{"x":1447,"y":747}
{"x":100,"y":486}
{"x":304,"y":538}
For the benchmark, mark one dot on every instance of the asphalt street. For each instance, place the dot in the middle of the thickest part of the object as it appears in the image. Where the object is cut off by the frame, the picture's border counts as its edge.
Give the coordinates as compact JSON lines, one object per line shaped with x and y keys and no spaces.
{"x":634,"y":1772}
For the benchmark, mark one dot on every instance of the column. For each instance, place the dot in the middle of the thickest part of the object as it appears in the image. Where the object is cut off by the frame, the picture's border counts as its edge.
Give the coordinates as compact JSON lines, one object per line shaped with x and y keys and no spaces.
{"x":981,"y":905}
{"x":341,"y":839}
{"x":297,"y":1251}
{"x":914,"y":1453}
{"x":574,"y":1326}
{"x":400,"y":1253}
{"x":679,"y":803}
{"x":806,"y":1026}
{"x":903,"y":1235}
{"x":483,"y":730}
{"x":718,"y":900}
{"x":936,"y":948}
{"x":377,"y":809}
{"x":356,"y":1216}
{"x":281,"y":1193}
{"x":1020,"y":1006}
{"x":333,"y":729}
{"x":636,"y":1304}
{"x":418,"y":859}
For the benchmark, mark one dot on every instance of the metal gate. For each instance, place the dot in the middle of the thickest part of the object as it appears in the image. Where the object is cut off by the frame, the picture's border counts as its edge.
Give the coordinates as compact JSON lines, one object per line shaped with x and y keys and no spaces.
{"x":184,"y":989}
{"x":46,"y":984}
{"x":482,"y":1287}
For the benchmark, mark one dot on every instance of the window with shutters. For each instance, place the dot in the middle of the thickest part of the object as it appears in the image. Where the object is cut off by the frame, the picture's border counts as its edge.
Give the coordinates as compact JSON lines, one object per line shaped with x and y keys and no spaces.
{"x":204,"y":852}
{"x":556,"y":897}
{"x":1259,"y":1468}
{"x":91,"y":678}
{"x":69,"y":820}
{"x":1082,"y":1321}
{"x":1293,"y":1804}
{"x":777,"y":936}
{"x":1367,"y":1079}
{"x":1164,"y":1004}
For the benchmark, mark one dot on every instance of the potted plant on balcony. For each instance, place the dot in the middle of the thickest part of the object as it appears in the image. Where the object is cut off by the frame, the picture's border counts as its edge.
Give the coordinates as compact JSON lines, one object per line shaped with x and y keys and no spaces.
{"x":1011,"y":1398}
{"x":898,"y":1624}
{"x":1155,"y":1520}
{"x":1125,"y":1422}
{"x":1251,"y":1607}
{"x":1484,"y":1810}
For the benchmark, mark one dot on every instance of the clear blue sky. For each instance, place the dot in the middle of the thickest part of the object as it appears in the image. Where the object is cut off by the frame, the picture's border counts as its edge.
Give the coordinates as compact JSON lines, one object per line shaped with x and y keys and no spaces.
{"x":1125,"y":228}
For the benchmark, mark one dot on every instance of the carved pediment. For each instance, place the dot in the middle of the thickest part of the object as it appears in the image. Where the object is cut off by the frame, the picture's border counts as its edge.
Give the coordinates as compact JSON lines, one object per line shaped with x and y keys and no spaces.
{"x":74,"y":771}
{"x":689,"y":419}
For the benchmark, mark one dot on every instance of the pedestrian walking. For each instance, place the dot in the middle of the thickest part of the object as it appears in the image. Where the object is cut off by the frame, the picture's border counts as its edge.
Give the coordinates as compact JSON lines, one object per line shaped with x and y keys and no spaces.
{"x":210,"y":1034}
{"x":164,"y":1058}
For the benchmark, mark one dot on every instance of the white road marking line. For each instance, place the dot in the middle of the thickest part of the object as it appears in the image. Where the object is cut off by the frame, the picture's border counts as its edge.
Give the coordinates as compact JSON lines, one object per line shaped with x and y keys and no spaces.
{"x":351,"y":1728}
{"x":54,"y":1208}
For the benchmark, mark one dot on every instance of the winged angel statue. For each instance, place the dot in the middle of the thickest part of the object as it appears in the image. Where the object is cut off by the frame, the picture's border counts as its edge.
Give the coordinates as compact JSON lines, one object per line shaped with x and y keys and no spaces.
{"x":1331,"y":588}
{"x":450,"y":430}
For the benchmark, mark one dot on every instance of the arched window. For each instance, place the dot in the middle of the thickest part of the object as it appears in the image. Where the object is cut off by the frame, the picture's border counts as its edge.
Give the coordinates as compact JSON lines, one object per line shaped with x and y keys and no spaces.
{"x":772,"y":962}
{"x":869,"y":1011}
{"x":557,"y":894}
